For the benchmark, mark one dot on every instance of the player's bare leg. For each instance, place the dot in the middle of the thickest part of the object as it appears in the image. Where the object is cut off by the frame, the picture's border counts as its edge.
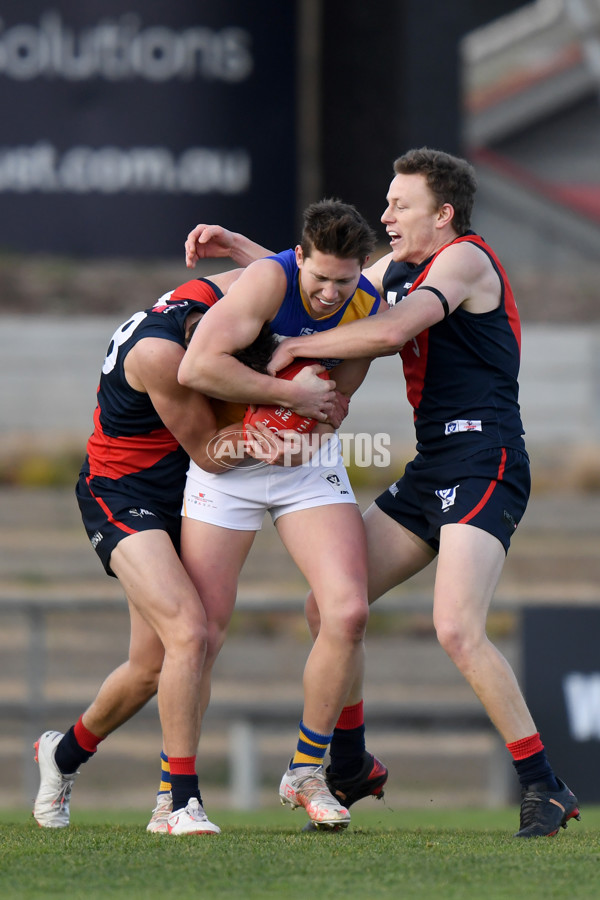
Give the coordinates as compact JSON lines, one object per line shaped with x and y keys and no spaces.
{"x":165,"y":596}
{"x":213,"y":557}
{"x":328,"y":545}
{"x":130,"y":686}
{"x":171,"y":605}
{"x":469,"y":566}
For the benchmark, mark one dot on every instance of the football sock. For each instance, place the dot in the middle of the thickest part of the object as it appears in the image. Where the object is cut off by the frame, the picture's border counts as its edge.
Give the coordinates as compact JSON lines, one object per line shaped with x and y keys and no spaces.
{"x":348,"y":742}
{"x":311,"y":748}
{"x":165,"y":774}
{"x":184,"y":780}
{"x":75,"y":748}
{"x":531,"y":763}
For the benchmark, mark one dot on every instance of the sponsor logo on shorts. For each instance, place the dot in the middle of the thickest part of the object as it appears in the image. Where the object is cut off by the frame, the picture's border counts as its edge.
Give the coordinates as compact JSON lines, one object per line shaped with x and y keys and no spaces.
{"x":509,"y":520}
{"x":201,"y":499}
{"x":96,"y":538}
{"x":333,"y":479}
{"x":447,"y":496}
{"x":140,"y":512}
{"x":462,"y":425}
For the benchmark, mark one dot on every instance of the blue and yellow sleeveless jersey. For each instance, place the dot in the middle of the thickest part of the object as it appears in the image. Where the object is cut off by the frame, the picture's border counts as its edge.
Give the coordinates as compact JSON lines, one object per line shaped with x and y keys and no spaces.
{"x":294,"y":317}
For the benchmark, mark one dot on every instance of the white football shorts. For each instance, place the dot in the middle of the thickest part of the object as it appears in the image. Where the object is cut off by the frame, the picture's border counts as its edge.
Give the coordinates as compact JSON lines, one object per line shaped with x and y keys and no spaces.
{"x":240,"y":497}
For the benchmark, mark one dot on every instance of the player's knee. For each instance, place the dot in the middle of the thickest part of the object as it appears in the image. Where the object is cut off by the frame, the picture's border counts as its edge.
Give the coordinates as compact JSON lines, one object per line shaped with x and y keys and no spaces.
{"x":347,"y":620}
{"x":457,"y":641}
{"x":187,"y":638}
{"x":148,"y":681}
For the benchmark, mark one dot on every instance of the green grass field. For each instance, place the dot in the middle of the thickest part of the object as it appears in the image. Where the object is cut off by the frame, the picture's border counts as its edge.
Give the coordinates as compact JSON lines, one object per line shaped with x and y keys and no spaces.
{"x":442,"y":854}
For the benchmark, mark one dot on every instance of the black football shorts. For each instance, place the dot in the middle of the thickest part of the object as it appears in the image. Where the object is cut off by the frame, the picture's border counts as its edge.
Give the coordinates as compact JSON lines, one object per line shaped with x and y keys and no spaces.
{"x":489,"y":490}
{"x":110,"y":514}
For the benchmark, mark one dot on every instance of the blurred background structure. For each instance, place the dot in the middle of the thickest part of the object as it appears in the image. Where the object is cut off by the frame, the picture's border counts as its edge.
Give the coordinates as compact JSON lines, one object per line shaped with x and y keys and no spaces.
{"x":124,"y":124}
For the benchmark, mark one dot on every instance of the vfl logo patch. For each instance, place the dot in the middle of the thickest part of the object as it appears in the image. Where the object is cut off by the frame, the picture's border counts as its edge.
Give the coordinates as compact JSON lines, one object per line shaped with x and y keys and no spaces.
{"x":392,"y":297}
{"x":333,"y":479}
{"x":447,"y":497}
{"x":462,"y":425}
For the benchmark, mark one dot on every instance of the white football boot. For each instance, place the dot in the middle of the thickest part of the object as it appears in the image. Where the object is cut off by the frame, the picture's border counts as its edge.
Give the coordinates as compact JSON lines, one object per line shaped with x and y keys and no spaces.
{"x":52,"y":804}
{"x":191,"y":820}
{"x":160,"y":814}
{"x":306,"y":786}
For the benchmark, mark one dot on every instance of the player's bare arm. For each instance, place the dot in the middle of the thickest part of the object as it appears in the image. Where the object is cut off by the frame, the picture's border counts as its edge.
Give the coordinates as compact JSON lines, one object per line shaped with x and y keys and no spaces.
{"x":462,"y":274}
{"x":232,"y":324}
{"x":216,"y":242}
{"x":366,"y":338}
{"x":151,"y":366}
{"x":465,"y":276}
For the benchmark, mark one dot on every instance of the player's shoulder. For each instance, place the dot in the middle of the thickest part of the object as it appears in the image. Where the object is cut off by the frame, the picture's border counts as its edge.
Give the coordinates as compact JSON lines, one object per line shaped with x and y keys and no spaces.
{"x":375,"y":272}
{"x":469,"y":254}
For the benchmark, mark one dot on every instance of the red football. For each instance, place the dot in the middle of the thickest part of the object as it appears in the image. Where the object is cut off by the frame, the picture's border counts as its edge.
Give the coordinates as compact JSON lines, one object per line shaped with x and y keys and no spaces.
{"x":280,"y":418}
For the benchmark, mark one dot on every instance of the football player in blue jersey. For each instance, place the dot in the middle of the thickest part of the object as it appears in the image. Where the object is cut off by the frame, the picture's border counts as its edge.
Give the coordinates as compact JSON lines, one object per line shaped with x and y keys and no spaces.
{"x":314,"y":287}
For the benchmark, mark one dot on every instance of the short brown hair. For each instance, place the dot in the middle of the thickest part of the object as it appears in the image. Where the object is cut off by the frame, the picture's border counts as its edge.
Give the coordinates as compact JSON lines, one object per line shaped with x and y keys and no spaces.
{"x":337,"y":228}
{"x":449,"y":178}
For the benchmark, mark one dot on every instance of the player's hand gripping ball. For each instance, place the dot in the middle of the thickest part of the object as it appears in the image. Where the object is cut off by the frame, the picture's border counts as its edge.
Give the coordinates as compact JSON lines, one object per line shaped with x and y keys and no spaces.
{"x":280,"y":418}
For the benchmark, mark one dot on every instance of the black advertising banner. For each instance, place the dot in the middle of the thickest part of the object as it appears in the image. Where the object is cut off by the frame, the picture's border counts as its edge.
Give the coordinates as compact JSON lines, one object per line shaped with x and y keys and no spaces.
{"x":562,"y":686}
{"x":126,"y":123}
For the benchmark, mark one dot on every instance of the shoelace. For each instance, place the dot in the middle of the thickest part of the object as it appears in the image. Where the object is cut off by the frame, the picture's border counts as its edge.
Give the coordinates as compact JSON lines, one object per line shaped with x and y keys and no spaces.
{"x":530,"y":806}
{"x":65,"y":792}
{"x":316,"y":784}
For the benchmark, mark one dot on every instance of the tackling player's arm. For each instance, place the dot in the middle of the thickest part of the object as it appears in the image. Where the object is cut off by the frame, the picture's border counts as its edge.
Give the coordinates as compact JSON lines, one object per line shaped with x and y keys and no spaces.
{"x":216,"y":242}
{"x":233,"y":323}
{"x":350,"y":374}
{"x":151,"y":366}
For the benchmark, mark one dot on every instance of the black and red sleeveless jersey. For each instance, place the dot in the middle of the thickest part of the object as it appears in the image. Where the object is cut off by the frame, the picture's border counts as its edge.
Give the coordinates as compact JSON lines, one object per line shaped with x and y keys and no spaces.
{"x":462,"y":373}
{"x":129,"y":438}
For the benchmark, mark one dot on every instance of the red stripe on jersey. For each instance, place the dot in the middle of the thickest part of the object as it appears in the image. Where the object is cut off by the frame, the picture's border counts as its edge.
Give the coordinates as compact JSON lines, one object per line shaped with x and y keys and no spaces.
{"x":489,"y":491}
{"x":113,"y":457}
{"x":195,"y":290}
{"x":414,"y":364}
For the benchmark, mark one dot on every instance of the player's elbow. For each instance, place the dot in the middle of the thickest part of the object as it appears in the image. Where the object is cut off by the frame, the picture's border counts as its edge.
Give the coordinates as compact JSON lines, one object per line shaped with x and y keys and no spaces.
{"x":192,"y":373}
{"x":392,"y":339}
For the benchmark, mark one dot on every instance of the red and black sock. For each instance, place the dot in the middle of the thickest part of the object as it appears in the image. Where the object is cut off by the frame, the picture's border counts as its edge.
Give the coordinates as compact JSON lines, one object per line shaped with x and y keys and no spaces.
{"x":348,"y":742}
{"x":531,"y":763}
{"x":184,"y":780}
{"x":75,"y":748}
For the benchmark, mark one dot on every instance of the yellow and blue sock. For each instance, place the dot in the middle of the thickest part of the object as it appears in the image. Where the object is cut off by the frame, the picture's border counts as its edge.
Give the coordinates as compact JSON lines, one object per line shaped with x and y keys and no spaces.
{"x":311,"y":748}
{"x":165,"y":774}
